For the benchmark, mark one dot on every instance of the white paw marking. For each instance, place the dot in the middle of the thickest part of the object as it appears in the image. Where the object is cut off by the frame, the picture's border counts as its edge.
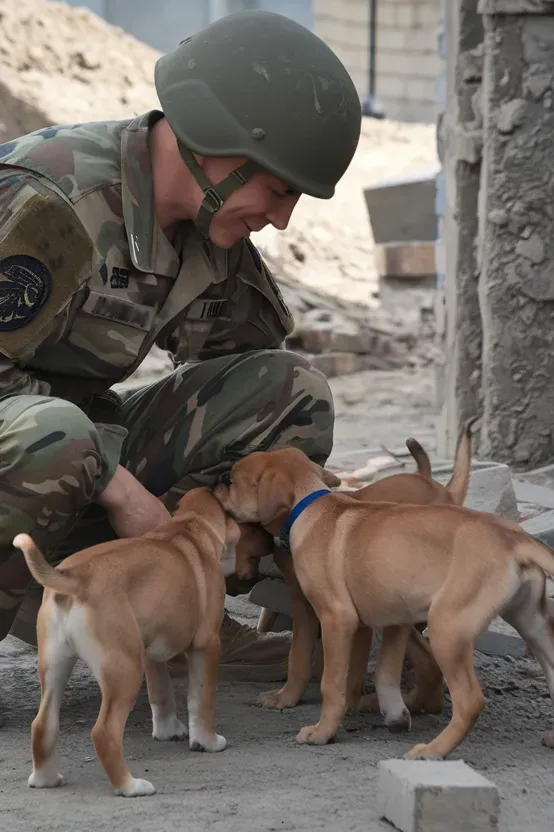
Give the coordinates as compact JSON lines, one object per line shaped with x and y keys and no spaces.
{"x":169,"y":728}
{"x":135,"y":788}
{"x":208,"y":742}
{"x":45,"y":780}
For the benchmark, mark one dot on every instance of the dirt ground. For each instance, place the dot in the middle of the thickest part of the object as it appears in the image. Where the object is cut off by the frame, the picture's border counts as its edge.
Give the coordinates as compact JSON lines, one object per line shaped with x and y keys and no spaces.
{"x":264,"y":781}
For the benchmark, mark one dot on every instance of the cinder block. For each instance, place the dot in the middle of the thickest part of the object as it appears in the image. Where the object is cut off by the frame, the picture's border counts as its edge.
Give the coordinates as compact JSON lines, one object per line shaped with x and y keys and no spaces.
{"x":403,"y":210}
{"x":272,"y":593}
{"x":490,"y":488}
{"x":436,"y":796}
{"x":413,"y":259}
{"x":541,"y":526}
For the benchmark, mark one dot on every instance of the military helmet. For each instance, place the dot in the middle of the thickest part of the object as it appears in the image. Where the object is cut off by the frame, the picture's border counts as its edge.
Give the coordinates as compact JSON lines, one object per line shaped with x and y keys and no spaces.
{"x":259,"y":85}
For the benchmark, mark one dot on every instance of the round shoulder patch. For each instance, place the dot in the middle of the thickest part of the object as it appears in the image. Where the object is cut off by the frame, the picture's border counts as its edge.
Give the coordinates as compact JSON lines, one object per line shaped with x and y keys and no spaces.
{"x":25,"y":286}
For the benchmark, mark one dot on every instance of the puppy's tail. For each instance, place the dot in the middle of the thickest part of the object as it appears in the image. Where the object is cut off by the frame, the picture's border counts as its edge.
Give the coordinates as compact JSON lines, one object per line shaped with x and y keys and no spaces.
{"x":41,"y":570}
{"x":420,"y":456}
{"x":459,"y":481}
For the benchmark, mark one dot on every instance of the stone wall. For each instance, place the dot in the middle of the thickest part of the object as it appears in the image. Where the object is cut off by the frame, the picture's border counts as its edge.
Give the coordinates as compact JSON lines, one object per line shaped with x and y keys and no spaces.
{"x":496,"y":245}
{"x":460,"y":140}
{"x":516,"y":287}
{"x":406,"y":56}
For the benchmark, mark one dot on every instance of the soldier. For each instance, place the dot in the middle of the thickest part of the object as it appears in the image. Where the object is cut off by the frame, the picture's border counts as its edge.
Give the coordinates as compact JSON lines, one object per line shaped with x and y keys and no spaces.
{"x":116,"y":236}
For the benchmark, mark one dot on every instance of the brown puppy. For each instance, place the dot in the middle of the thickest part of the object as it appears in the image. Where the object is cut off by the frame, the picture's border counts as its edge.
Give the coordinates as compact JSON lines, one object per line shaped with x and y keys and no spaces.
{"x":428,"y":693}
{"x":392,"y":565}
{"x":125,"y":607}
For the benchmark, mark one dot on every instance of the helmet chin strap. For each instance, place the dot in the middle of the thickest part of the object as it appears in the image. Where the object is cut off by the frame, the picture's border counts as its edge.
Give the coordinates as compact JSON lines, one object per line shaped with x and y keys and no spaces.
{"x":215,"y":195}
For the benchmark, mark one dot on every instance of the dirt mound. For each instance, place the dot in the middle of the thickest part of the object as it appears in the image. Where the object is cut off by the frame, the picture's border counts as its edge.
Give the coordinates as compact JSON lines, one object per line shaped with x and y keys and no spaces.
{"x":60,"y":64}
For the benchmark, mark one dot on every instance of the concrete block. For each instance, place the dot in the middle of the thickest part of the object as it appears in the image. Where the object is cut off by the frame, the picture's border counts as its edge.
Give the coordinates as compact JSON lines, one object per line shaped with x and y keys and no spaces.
{"x":541,"y":526}
{"x":272,"y":593}
{"x":490,"y":488}
{"x":403,"y":210}
{"x":413,"y":259}
{"x":490,"y":483}
{"x":437,"y":796}
{"x":495,"y":642}
{"x":527,"y":492}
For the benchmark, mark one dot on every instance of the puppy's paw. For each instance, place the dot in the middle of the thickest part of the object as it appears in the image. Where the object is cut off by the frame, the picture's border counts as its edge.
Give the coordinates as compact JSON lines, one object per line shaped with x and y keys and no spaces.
{"x":208,"y":742}
{"x":135,"y":788}
{"x":169,"y":729}
{"x":423,"y":752}
{"x":278,"y":699}
{"x":397,"y":723}
{"x":548,"y":739}
{"x":45,"y":779}
{"x":312,"y":735}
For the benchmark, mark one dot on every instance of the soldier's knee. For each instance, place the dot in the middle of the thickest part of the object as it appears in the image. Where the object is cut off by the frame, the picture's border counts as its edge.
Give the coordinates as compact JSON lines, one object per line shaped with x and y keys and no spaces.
{"x":41,"y":423}
{"x":296,"y":371}
{"x":304,"y":394}
{"x":50,"y":461}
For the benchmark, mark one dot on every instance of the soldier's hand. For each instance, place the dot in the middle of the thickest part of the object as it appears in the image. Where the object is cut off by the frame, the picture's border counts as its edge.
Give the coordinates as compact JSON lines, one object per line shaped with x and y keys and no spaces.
{"x":132,"y":510}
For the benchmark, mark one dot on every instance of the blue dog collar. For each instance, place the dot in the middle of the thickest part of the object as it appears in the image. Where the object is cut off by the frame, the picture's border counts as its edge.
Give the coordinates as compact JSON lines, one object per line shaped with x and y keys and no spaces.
{"x":284,"y":538}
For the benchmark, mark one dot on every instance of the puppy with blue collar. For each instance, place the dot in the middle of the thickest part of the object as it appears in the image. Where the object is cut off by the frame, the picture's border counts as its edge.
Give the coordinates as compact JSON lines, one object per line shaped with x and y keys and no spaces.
{"x":392,"y":565}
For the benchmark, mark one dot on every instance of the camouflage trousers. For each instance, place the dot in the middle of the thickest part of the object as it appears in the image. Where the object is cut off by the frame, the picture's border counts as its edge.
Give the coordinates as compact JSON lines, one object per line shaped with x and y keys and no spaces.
{"x":184,"y":431}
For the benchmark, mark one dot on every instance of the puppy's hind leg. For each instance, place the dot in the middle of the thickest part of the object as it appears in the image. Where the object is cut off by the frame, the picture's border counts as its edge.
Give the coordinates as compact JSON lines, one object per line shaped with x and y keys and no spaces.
{"x":115,"y":655}
{"x":529,"y":614}
{"x":165,"y":725}
{"x":203,"y":668}
{"x":120,"y":681}
{"x":389,"y":676}
{"x":427,"y":695}
{"x":452,"y":641}
{"x":56,"y":660}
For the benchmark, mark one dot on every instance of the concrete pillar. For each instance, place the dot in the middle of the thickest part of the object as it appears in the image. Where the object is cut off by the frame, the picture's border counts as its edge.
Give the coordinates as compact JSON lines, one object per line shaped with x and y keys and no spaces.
{"x":458,"y":378}
{"x":516,"y":288}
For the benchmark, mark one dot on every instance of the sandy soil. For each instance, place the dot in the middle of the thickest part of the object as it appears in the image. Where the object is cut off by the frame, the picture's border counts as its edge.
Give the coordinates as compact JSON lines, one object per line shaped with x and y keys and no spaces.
{"x":264,"y":781}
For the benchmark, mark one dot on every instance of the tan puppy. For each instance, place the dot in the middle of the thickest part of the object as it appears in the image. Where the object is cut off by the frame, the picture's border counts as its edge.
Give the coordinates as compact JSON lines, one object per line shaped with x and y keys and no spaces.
{"x":428,"y":693}
{"x":417,"y":489}
{"x":125,"y":607}
{"x":389,"y":565}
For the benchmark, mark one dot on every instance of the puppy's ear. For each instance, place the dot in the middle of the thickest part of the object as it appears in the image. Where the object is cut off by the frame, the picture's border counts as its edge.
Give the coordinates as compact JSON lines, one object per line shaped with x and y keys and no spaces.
{"x":331,"y":480}
{"x":275,"y":498}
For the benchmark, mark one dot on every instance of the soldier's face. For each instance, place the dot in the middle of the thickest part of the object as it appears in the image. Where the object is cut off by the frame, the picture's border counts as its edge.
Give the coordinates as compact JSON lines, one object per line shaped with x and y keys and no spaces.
{"x":263,"y":200}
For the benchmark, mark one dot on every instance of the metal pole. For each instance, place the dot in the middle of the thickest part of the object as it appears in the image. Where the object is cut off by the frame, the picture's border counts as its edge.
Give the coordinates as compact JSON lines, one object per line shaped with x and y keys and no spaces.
{"x":372,"y":44}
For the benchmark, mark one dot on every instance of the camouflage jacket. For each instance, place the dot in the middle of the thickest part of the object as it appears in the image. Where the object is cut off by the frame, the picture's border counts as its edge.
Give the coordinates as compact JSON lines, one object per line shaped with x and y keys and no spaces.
{"x":88,"y":280}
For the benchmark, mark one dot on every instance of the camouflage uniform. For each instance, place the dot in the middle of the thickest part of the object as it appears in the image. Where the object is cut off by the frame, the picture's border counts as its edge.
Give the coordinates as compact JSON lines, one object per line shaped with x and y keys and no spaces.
{"x":89,"y":283}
